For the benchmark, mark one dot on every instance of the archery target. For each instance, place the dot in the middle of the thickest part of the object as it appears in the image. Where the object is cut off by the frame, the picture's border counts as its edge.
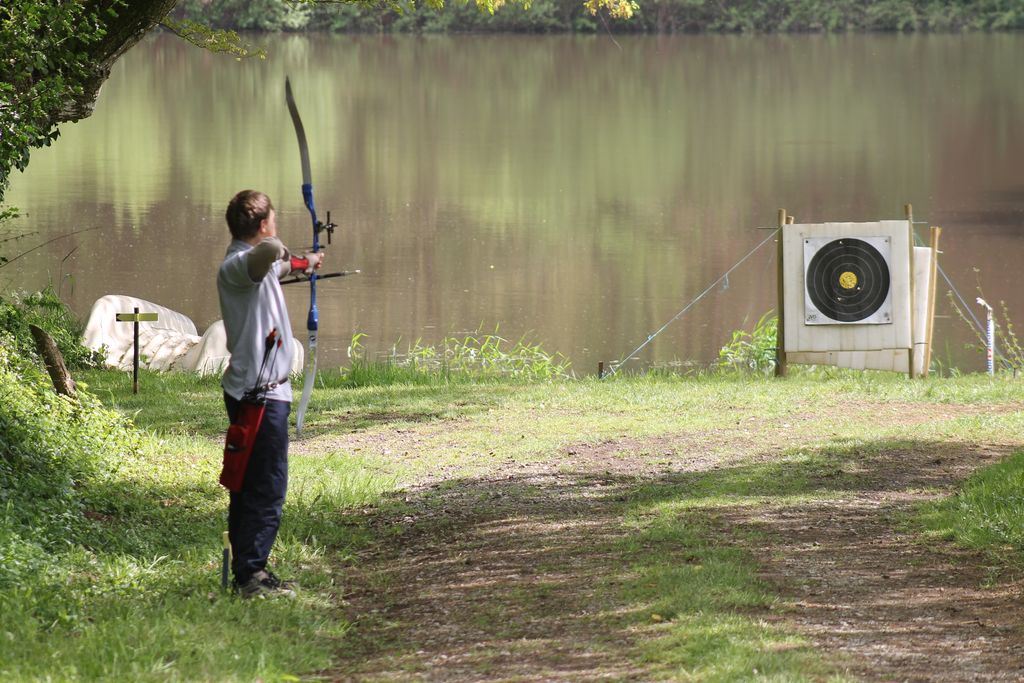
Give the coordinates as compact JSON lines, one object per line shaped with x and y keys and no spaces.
{"x":847,"y":280}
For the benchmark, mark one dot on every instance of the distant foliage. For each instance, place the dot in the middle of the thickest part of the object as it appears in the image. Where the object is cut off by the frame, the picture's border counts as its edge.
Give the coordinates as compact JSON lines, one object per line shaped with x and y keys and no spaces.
{"x":752,"y":351}
{"x":666,"y":16}
{"x":244,"y":15}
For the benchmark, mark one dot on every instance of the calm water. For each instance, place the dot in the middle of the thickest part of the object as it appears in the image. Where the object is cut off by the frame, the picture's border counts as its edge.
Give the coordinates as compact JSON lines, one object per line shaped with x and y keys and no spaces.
{"x":563,"y":188}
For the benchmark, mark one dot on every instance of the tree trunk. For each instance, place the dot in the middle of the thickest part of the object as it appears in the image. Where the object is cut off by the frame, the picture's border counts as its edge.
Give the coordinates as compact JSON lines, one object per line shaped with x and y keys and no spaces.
{"x":133,"y":20}
{"x":54,"y":361}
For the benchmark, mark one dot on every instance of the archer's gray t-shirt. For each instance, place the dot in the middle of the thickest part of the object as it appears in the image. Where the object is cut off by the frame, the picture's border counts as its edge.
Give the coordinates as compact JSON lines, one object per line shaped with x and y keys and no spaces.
{"x":251,"y":310}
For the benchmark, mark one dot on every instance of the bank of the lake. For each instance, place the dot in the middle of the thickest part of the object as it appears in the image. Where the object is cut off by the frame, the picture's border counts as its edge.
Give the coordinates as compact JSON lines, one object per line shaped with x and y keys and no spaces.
{"x":473,"y":526}
{"x":658,"y":16}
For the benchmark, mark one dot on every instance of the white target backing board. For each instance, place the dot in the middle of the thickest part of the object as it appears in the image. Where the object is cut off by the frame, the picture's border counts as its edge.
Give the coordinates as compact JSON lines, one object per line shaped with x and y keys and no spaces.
{"x":824,"y":311}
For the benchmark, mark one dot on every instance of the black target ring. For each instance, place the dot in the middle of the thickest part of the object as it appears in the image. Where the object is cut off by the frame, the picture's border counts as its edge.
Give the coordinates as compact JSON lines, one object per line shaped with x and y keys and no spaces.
{"x":847,"y":280}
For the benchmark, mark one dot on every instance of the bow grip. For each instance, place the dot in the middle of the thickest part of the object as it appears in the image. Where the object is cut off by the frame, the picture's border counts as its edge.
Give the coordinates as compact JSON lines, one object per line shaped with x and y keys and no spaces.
{"x":307,"y":196}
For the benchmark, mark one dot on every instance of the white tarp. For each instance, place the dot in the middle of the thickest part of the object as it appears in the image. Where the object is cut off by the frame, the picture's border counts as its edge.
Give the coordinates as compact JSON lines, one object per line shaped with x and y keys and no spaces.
{"x":170,"y":343}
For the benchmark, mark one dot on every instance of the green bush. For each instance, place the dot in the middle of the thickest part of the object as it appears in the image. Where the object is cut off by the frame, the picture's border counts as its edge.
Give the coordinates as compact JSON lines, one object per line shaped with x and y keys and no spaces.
{"x":752,"y":351}
{"x":49,"y":446}
{"x":45,"y":309}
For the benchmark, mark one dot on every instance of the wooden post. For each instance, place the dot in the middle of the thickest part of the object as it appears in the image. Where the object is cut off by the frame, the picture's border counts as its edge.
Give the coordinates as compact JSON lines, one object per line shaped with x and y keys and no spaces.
{"x":781,"y":367}
{"x":930,"y":320}
{"x":909,"y":211}
{"x":54,"y":361}
{"x":600,"y":369}
{"x":135,"y":355}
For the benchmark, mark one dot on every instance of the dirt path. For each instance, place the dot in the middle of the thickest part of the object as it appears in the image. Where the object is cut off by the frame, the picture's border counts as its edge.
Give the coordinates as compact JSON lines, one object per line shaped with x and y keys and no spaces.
{"x":903,"y":609}
{"x":494,"y":579}
{"x":507,"y":577}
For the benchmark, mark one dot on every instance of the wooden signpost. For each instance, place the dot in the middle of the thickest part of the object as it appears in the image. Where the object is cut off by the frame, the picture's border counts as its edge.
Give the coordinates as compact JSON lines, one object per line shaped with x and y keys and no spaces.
{"x":135,"y":318}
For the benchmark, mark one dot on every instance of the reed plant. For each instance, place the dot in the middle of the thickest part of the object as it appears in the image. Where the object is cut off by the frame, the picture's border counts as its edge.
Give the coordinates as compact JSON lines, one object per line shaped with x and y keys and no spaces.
{"x":478,"y":356}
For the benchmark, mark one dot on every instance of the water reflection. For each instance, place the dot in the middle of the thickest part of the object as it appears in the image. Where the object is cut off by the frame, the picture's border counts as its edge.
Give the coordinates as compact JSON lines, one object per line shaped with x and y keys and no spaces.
{"x":558,"y":186}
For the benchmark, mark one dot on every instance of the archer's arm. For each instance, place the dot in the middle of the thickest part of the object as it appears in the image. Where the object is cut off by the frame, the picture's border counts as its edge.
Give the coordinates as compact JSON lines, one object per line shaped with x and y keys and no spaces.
{"x":270,"y":250}
{"x":261,"y":258}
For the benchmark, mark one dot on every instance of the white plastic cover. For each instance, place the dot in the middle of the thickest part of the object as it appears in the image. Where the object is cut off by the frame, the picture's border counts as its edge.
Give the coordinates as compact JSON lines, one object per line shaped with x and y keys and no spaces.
{"x":170,"y":343}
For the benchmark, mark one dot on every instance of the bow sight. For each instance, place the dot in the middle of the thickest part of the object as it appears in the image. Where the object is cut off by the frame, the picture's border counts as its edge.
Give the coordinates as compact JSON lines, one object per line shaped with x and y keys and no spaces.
{"x":328,"y":226}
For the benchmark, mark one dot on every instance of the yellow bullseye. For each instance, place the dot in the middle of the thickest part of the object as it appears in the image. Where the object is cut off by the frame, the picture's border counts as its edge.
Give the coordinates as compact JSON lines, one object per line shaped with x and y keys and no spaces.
{"x":848,"y":280}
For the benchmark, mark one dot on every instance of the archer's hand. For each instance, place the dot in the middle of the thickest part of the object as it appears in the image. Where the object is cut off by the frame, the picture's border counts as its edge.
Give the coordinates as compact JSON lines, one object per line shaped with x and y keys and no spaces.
{"x":315,"y":259}
{"x":308,"y":263}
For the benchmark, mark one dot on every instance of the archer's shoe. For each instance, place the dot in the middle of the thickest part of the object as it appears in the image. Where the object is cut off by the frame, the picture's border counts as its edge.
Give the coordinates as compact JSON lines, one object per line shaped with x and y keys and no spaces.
{"x":264,"y":584}
{"x":280,"y":584}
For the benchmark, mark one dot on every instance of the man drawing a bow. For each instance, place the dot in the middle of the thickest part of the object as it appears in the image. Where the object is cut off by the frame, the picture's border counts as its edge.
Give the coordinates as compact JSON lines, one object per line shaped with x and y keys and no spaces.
{"x":253,"y":306}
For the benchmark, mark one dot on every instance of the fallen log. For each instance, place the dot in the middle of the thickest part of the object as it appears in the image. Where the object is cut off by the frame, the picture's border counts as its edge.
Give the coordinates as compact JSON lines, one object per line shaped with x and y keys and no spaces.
{"x":54,"y":361}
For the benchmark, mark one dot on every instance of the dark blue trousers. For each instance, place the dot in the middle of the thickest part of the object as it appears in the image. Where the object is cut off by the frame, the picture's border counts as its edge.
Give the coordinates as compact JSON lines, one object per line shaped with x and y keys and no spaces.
{"x":254,"y":513}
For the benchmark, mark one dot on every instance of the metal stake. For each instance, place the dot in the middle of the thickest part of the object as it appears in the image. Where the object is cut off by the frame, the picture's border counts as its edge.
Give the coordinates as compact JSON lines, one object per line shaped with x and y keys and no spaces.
{"x":990,"y":337}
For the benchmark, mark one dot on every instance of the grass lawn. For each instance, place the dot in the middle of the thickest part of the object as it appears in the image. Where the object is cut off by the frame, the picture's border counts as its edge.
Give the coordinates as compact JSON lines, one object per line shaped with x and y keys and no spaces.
{"x":135,"y":594}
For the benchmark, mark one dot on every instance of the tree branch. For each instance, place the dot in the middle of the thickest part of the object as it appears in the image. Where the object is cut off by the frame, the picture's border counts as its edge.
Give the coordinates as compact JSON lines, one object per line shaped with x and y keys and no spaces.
{"x":214,"y":40}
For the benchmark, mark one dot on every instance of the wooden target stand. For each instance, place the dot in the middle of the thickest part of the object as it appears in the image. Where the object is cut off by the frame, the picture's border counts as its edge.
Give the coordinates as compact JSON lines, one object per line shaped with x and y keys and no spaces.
{"x":899,"y":341}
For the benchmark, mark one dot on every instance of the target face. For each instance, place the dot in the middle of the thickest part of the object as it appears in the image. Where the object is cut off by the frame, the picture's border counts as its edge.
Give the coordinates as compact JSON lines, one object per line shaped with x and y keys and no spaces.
{"x":846,"y":280}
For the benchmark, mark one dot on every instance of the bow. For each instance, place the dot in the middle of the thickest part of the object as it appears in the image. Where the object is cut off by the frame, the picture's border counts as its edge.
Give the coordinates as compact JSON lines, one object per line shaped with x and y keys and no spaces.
{"x":313,"y":319}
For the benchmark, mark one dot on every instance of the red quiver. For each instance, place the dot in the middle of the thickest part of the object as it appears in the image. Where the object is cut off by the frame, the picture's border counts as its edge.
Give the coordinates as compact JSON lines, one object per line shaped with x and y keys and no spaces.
{"x":239,"y":442}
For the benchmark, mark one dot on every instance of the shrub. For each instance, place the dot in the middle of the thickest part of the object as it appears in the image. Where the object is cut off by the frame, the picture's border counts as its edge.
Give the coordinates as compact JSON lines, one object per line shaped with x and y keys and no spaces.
{"x":752,"y":351}
{"x":45,"y":309}
{"x":49,"y":446}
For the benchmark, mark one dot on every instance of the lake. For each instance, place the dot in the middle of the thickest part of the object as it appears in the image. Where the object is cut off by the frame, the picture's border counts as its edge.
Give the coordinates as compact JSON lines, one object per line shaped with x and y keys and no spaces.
{"x":579,"y":191}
